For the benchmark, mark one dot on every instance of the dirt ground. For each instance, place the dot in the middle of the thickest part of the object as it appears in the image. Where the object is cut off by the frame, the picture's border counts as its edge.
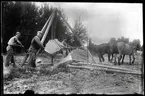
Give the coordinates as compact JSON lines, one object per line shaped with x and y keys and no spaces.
{"x":65,"y":80}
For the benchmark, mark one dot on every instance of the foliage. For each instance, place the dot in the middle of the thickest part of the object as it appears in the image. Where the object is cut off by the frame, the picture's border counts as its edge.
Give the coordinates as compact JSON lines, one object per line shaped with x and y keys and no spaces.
{"x":123,"y":39}
{"x":136,"y":43}
{"x":27,"y":18}
{"x":18,"y":16}
{"x":81,"y":31}
{"x":113,"y":40}
{"x":91,"y":47}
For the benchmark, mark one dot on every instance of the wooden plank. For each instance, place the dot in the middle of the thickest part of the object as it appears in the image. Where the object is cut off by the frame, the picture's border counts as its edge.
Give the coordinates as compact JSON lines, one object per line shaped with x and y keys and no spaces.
{"x":112,"y":67}
{"x":119,"y":71}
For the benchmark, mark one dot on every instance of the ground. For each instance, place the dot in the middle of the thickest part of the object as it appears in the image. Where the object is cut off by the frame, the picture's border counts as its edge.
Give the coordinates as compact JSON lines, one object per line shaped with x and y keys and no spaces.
{"x":71,"y":80}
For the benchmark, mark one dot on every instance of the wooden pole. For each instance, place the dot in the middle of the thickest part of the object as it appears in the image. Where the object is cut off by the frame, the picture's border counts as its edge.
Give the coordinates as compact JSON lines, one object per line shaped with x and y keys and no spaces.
{"x":102,"y":65}
{"x":54,"y":27}
{"x":47,"y":29}
{"x":77,"y":38}
{"x":45,"y":26}
{"x":106,"y":69}
{"x":52,"y":31}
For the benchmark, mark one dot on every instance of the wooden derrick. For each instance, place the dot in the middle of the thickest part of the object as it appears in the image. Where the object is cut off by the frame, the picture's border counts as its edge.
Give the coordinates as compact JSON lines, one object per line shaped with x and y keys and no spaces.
{"x":90,"y":66}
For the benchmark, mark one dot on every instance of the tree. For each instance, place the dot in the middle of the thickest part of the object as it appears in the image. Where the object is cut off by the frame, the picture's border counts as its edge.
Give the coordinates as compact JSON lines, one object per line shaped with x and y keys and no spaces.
{"x":123,"y":39}
{"x":28,"y":19}
{"x":113,"y":40}
{"x":81,"y":32}
{"x":92,"y":47}
{"x":10,"y":20}
{"x":136,"y":44}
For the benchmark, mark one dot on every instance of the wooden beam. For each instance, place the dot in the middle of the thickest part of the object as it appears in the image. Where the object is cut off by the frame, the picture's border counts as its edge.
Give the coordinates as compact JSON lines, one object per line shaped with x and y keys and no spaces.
{"x":48,"y":27}
{"x":105,"y":69}
{"x":45,"y":26}
{"x":101,"y":65}
{"x":87,"y":50}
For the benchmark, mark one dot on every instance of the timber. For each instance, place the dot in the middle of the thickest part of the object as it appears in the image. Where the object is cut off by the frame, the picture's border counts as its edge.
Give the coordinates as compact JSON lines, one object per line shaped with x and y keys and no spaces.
{"x":47,"y":29}
{"x":105,"y":69}
{"x":46,"y":24}
{"x":101,"y":65}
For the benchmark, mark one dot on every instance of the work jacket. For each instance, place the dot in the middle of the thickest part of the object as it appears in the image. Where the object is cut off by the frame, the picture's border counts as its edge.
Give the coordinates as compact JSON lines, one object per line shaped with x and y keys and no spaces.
{"x":35,"y":44}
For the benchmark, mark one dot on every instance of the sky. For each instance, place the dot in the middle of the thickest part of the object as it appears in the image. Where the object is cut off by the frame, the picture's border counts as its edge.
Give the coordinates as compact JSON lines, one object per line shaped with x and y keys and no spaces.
{"x":106,"y":20}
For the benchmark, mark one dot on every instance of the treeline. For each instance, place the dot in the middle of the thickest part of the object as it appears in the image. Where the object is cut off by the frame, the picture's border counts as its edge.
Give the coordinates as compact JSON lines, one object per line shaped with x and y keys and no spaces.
{"x":27,"y":18}
{"x":135,"y":42}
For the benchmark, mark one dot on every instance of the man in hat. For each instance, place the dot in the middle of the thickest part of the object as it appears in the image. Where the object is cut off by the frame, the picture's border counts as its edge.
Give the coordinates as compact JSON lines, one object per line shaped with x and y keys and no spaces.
{"x":12,"y":43}
{"x":33,"y":49}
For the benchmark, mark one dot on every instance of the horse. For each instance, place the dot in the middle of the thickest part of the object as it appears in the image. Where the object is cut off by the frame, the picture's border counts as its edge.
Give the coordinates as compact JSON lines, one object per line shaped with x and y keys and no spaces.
{"x":113,"y":50}
{"x":102,"y":49}
{"x":125,"y":49}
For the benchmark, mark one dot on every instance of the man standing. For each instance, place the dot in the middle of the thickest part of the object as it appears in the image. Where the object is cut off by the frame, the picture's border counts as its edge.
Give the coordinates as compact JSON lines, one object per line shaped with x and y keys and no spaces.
{"x":12,"y":43}
{"x":33,"y":49}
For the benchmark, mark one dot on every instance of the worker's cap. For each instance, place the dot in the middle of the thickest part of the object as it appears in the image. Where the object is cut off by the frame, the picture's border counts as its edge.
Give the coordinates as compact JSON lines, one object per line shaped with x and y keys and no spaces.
{"x":39,"y":32}
{"x":18,"y":33}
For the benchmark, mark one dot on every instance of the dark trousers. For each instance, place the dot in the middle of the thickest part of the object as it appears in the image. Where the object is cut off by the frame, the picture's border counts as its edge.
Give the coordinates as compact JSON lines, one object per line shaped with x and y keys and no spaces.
{"x":32,"y":59}
{"x":9,"y":56}
{"x":31,"y":56}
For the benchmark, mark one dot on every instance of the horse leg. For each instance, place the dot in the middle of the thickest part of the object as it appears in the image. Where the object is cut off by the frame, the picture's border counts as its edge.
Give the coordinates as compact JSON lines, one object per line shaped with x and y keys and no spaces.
{"x":112,"y":57}
{"x":99,"y":58}
{"x":133,"y":58}
{"x":109,"y":57}
{"x":123,"y":58}
{"x":119,"y":58}
{"x":102,"y":58}
{"x":115,"y":62}
{"x":130,"y":59}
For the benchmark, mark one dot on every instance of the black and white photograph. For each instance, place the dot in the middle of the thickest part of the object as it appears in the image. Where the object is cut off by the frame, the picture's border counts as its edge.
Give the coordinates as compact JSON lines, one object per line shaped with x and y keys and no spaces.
{"x":72,"y":48}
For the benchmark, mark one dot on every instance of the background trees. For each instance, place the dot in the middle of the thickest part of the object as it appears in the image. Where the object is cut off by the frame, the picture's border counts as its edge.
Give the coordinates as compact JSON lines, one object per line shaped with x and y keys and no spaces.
{"x":18,"y":16}
{"x":136,"y":43}
{"x":81,"y":31}
{"x":27,"y":18}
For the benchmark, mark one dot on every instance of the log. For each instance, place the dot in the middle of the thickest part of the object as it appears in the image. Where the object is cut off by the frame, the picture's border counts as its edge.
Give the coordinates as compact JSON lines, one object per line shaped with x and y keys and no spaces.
{"x":47,"y":29}
{"x":46,"y":24}
{"x":119,"y":71}
{"x":98,"y":65}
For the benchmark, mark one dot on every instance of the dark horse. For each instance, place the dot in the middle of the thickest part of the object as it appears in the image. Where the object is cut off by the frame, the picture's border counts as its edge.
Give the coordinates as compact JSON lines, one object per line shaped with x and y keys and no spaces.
{"x":113,"y":50}
{"x":101,"y":50}
{"x":125,"y":49}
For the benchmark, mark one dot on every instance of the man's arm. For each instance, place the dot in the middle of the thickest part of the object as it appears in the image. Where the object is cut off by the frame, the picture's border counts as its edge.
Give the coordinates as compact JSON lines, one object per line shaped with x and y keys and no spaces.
{"x":39,"y":42}
{"x":18,"y":42}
